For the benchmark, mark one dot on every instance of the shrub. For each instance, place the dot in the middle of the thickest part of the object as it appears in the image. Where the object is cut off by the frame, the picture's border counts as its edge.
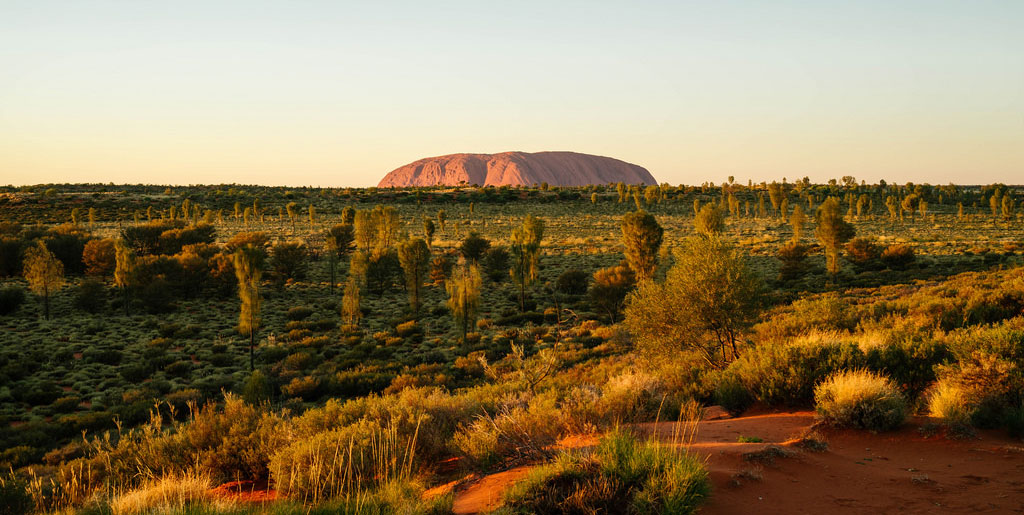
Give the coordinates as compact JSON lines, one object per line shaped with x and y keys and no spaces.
{"x":863,"y":253}
{"x":288,"y":261}
{"x":14,"y":496}
{"x":984,"y":388}
{"x":91,"y":296}
{"x":304,"y":387}
{"x":299,"y":313}
{"x":523,"y":426}
{"x":787,"y":373}
{"x":11,"y":299}
{"x":898,"y":256}
{"x":860,"y":399}
{"x":572,"y":282}
{"x":621,"y":476}
{"x":630,"y":397}
{"x":733,"y":396}
{"x":793,"y":256}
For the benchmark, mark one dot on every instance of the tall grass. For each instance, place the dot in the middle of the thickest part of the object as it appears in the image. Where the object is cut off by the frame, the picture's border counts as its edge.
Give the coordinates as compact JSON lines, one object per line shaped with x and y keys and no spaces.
{"x":343,"y":463}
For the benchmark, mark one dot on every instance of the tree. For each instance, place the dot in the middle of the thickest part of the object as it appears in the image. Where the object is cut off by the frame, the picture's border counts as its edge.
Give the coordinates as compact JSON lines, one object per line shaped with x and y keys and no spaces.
{"x":388,"y":227}
{"x":474,"y":246}
{"x":125,"y":269}
{"x":909,"y":204}
{"x":525,"y":250}
{"x":775,"y":195}
{"x":709,"y":221}
{"x":249,"y":271}
{"x":892,"y":205}
{"x":428,"y":231}
{"x":642,"y":237}
{"x":797,"y":220}
{"x":365,"y":225}
{"x":337,"y":244}
{"x":99,"y":256}
{"x":350,"y":310}
{"x":44,"y":273}
{"x":610,"y":288}
{"x":414,"y":257}
{"x":495,"y":263}
{"x":288,"y":261}
{"x":292,"y":213}
{"x":708,"y":299}
{"x":832,"y":231}
{"x":1008,"y":207}
{"x":862,"y":203}
{"x":441,"y":217}
{"x":348,"y":215}
{"x":464,"y":295}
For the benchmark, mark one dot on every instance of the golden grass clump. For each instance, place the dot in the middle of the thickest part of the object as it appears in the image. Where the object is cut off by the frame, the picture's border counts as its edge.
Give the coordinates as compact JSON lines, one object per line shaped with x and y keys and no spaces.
{"x":167,"y":494}
{"x":860,"y":399}
{"x":949,"y":402}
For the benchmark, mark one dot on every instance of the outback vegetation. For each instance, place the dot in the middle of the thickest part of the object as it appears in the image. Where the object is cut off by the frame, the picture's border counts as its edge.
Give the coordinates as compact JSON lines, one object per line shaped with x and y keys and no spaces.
{"x":346,"y":350}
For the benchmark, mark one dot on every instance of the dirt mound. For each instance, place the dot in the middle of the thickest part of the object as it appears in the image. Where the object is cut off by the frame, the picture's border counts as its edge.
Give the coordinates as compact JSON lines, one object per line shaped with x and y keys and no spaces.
{"x":757,"y":464}
{"x":517,"y":169}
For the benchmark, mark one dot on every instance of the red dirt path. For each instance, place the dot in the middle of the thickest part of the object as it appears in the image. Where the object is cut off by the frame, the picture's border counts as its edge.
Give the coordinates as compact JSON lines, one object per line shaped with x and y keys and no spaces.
{"x":860,"y":472}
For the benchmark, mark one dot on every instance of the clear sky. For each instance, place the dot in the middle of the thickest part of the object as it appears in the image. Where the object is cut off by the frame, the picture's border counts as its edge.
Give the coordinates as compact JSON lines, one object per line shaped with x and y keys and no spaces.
{"x":338,"y":93}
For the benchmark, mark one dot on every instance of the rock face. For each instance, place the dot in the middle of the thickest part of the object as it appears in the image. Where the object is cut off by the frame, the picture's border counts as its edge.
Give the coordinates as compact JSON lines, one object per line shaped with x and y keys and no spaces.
{"x":517,"y":169}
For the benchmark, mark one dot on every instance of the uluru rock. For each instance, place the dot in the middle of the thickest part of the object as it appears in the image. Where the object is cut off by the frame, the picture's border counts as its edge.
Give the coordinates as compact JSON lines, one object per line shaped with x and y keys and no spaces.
{"x":517,"y":169}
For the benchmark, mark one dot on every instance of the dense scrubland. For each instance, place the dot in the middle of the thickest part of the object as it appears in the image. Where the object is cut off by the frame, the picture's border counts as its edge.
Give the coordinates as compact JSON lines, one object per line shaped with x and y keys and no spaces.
{"x":349,"y":348}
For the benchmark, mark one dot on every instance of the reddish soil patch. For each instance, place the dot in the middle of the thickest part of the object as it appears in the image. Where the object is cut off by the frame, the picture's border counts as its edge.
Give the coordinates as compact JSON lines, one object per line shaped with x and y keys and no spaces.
{"x":257,"y":492}
{"x":860,"y":472}
{"x":893,"y":472}
{"x":485,"y":495}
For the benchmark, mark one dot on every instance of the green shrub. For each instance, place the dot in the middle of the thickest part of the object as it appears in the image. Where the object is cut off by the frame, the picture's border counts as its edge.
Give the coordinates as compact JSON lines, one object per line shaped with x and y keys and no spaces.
{"x":572,"y":282}
{"x":91,"y":296}
{"x":305,"y":387}
{"x":621,"y":476}
{"x":733,"y":396}
{"x":860,"y":399}
{"x":14,"y":496}
{"x":11,"y":298}
{"x":299,"y":313}
{"x":523,"y":427}
{"x":985,"y":388}
{"x":787,"y":373}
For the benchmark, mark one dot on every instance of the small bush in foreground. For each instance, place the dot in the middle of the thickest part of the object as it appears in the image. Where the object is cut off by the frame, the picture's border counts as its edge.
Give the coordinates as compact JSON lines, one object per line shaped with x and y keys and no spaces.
{"x":621,"y":476}
{"x":860,"y":399}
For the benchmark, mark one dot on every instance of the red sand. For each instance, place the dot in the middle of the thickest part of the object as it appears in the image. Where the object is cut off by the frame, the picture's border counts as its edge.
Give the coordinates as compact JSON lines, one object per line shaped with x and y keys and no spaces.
{"x":860,"y":472}
{"x":246,"y":492}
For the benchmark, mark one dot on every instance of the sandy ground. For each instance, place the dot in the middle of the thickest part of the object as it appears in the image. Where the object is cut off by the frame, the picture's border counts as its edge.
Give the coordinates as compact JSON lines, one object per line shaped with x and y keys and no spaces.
{"x":860,"y":472}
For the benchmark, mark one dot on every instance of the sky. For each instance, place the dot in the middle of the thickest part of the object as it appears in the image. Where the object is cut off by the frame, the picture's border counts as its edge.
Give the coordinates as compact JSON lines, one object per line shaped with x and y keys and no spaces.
{"x":338,"y":93}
